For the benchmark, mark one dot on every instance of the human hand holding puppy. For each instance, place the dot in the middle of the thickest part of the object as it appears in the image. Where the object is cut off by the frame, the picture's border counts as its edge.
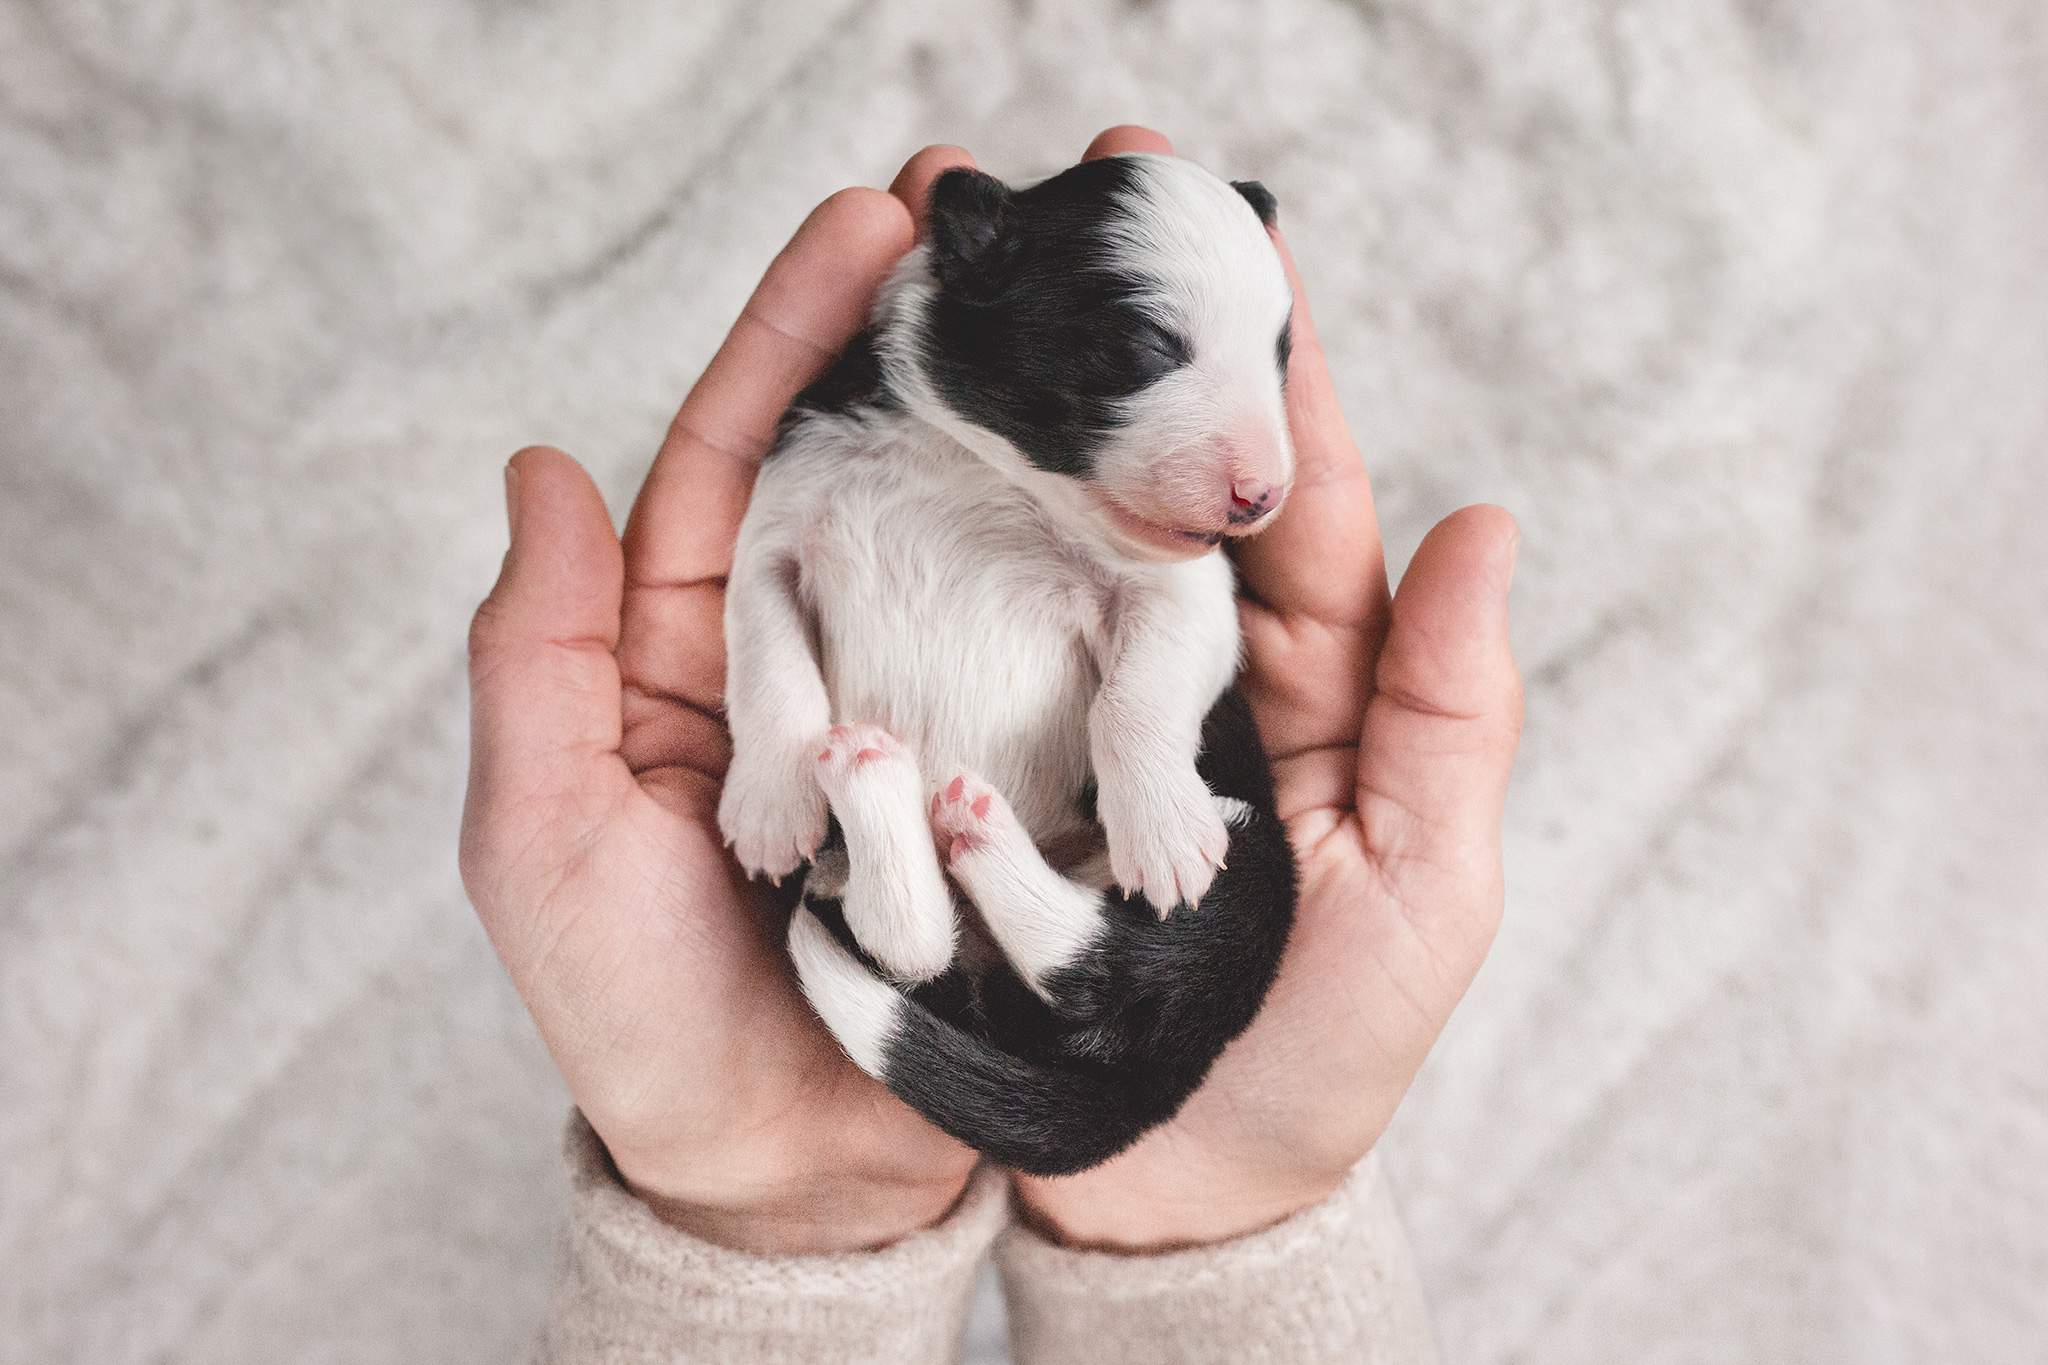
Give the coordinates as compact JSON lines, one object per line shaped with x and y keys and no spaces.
{"x":1392,"y":724}
{"x":655,"y":971}
{"x":657,"y":976}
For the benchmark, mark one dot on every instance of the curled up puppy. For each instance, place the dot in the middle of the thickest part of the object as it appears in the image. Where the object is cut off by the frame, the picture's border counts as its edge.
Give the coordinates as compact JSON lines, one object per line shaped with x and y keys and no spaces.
{"x":981,"y":644}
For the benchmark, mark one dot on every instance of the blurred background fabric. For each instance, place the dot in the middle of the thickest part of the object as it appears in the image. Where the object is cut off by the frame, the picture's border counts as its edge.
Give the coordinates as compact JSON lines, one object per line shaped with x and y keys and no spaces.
{"x":1740,"y":305}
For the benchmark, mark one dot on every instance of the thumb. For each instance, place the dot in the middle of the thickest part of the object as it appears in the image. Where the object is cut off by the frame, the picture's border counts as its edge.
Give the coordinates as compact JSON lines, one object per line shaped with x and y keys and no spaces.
{"x":543,"y":684}
{"x":1443,"y":722}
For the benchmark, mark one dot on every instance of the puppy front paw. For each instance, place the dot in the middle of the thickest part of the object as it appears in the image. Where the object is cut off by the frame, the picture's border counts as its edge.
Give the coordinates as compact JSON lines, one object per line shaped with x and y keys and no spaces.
{"x":772,"y":811}
{"x":1166,"y":838}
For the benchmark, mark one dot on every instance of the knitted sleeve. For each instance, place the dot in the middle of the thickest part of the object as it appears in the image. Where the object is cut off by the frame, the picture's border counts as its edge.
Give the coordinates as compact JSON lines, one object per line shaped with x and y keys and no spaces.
{"x":1333,"y":1283}
{"x":628,"y":1287}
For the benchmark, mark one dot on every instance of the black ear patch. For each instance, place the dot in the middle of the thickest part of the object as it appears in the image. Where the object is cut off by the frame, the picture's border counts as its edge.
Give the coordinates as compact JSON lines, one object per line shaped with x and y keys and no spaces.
{"x":966,"y":216}
{"x":1041,"y":326}
{"x":1260,"y":198}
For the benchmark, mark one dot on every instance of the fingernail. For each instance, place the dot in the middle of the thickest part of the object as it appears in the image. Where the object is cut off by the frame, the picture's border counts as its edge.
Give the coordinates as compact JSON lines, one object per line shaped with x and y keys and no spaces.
{"x":512,"y":500}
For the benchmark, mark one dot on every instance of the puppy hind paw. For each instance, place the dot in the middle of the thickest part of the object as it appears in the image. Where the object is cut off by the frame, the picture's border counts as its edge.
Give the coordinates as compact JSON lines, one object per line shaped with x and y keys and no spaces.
{"x":895,"y":900}
{"x":1042,"y":921}
{"x":851,"y":753}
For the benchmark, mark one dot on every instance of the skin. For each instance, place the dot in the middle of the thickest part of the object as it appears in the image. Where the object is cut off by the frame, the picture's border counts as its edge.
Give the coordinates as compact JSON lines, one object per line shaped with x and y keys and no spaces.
{"x":657,"y":974}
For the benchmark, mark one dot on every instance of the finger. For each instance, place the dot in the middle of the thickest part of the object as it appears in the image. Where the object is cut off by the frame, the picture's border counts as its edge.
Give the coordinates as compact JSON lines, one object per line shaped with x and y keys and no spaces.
{"x":544,"y":687}
{"x":1315,"y":586}
{"x":1322,"y":557}
{"x":1446,"y":713}
{"x":817,"y":294}
{"x":913,"y":184}
{"x":678,"y":544}
{"x":1127,"y":137}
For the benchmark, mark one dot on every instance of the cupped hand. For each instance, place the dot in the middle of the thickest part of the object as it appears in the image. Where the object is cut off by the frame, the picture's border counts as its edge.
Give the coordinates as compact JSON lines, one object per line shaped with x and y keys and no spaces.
{"x":590,"y":847}
{"x":1392,"y":722}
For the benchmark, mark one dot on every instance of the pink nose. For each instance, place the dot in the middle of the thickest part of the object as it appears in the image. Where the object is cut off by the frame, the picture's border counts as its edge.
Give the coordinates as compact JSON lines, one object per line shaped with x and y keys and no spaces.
{"x":1249,"y":500}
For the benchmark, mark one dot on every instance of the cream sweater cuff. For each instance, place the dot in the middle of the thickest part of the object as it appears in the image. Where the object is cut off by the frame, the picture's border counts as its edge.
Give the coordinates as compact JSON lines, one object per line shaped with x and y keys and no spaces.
{"x":1333,"y":1283}
{"x":630,"y":1288}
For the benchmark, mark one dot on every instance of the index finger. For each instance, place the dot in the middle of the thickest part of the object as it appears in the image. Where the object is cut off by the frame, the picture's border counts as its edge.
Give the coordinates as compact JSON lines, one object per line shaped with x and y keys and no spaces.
{"x":913,"y":184}
{"x":679,"y":538}
{"x":1316,"y":606}
{"x":1322,"y":558}
{"x":815,"y":296}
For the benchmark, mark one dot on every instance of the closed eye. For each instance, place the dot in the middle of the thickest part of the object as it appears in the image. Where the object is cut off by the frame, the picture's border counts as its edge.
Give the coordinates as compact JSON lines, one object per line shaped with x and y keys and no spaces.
{"x":1157,"y":351}
{"x":1284,"y":347}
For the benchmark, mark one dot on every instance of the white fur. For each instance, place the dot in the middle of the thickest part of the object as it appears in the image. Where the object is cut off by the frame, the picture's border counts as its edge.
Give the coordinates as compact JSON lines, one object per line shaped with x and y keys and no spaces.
{"x":1174,"y":652}
{"x":894,"y":897}
{"x":772,"y":810}
{"x":861,"y":1010}
{"x":1236,"y":814}
{"x":1041,"y":920}
{"x":1014,"y":628}
{"x":1221,"y":286}
{"x":903,"y":643}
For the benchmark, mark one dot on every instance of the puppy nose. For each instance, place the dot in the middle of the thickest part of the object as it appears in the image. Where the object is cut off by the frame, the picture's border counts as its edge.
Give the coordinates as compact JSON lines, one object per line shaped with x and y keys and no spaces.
{"x":1250,"y":499}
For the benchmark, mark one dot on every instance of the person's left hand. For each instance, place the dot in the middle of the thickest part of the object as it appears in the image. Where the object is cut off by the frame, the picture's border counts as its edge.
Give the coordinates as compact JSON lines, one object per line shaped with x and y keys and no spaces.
{"x":1392,"y":722}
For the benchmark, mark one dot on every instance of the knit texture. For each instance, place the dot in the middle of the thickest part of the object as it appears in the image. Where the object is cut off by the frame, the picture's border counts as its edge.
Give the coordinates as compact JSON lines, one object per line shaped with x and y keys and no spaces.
{"x":630,"y":1288}
{"x":1333,"y":1283}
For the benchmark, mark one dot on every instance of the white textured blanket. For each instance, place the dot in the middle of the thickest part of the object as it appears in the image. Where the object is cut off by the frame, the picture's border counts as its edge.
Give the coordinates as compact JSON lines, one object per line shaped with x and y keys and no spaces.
{"x":1740,"y":305}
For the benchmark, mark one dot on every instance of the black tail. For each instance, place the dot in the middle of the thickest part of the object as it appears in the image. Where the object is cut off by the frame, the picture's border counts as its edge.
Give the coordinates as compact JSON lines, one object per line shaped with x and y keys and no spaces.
{"x":1039,"y":1117}
{"x":1053,"y":1085}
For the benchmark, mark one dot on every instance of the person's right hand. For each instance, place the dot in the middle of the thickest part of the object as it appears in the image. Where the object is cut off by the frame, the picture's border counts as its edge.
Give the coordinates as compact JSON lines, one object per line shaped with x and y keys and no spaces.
{"x":590,"y":845}
{"x":1392,"y":722}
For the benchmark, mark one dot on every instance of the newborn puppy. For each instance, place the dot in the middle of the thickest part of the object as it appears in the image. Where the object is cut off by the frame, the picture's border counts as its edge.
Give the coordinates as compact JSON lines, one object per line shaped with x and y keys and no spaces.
{"x":977,"y":625}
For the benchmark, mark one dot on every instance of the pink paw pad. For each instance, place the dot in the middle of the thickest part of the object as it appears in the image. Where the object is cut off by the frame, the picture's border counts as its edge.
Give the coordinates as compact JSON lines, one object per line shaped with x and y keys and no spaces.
{"x":848,"y":747}
{"x":965,"y":814}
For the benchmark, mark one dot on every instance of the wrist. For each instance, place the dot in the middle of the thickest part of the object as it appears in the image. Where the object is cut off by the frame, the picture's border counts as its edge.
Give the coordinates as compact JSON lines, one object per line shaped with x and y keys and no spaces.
{"x":1138,"y":1213}
{"x":813,"y":1212}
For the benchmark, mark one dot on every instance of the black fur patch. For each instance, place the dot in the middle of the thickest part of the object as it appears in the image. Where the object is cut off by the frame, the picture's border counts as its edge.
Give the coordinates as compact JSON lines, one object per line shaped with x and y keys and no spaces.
{"x":1036,"y":334}
{"x":853,"y":381}
{"x":1054,"y":1089}
{"x":1260,"y":198}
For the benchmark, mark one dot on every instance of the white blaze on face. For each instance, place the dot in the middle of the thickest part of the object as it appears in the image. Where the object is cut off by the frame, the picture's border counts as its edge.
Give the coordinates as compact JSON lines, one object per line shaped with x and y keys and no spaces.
{"x":1211,"y":437}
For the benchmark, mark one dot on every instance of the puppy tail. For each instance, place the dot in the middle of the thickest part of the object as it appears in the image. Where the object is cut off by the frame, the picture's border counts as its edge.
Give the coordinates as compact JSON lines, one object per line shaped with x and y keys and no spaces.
{"x":1039,"y":1119}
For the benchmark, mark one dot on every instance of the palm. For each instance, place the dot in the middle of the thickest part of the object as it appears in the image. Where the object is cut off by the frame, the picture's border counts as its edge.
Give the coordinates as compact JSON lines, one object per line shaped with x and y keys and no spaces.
{"x":667,"y":1000}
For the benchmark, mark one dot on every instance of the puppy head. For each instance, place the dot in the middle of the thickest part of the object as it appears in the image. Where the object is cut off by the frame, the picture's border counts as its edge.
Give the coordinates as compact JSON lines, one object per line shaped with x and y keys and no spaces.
{"x":1117,"y":336}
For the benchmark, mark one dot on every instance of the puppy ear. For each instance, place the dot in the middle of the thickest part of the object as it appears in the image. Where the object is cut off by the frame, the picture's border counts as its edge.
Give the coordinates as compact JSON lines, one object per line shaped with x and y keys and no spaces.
{"x":966,"y":216}
{"x":1260,"y":198}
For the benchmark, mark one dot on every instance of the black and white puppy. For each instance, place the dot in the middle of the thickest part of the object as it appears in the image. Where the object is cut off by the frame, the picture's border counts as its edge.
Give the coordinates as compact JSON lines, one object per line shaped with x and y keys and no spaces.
{"x":977,"y":625}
